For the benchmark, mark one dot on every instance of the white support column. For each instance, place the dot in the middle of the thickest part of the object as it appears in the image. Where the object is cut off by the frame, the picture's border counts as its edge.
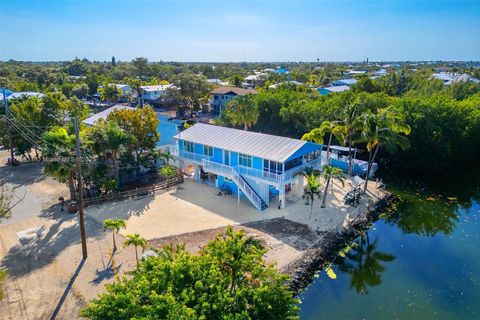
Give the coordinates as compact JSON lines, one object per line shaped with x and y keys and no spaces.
{"x":299,"y":185}
{"x":181,"y":165}
{"x":281,"y":196}
{"x":196,"y":173}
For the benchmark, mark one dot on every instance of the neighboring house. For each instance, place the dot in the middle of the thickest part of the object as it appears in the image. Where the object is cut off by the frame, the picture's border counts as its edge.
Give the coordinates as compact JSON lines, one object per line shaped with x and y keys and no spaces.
{"x":222,"y":95}
{"x":445,"y":77}
{"x":326,"y":90}
{"x":462,"y":78}
{"x":450,"y":78}
{"x":104,"y":114}
{"x":253,"y":80}
{"x":7,"y":94}
{"x":217,"y":81}
{"x":125,"y":89}
{"x":24,"y":94}
{"x":154,"y":93}
{"x":357,"y":72}
{"x":282,"y":71}
{"x":344,"y":82}
{"x":379,"y":73}
{"x":276,"y":85}
{"x":261,"y":167}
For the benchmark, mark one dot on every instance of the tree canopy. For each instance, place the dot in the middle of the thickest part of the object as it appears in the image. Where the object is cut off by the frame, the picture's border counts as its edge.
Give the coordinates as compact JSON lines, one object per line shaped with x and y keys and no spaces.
{"x":228,"y":279}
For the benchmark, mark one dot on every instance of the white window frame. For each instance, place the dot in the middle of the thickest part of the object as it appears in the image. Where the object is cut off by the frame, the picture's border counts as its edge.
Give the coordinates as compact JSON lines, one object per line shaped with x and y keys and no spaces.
{"x":187,"y":145}
{"x":247,"y":158}
{"x":209,"y":151}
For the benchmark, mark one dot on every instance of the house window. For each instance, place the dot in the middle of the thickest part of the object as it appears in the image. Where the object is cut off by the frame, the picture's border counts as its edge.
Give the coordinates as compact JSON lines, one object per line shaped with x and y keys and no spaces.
{"x":208,"y":151}
{"x":272,"y":166}
{"x":245,"y":160}
{"x":188,"y":146}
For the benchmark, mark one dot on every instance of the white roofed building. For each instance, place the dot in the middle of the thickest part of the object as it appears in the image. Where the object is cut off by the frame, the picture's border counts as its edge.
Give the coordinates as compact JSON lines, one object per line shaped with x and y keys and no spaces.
{"x":154,"y":92}
{"x":326,"y":90}
{"x":90,"y":121}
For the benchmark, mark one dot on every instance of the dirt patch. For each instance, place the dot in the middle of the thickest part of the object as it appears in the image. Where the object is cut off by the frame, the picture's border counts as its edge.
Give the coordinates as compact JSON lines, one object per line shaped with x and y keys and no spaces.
{"x":292,"y":233}
{"x":285,"y":239}
{"x":193,"y":241}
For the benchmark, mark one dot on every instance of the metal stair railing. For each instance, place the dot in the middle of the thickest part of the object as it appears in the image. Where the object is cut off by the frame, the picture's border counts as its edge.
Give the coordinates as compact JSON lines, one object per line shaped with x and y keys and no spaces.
{"x":232,"y":173}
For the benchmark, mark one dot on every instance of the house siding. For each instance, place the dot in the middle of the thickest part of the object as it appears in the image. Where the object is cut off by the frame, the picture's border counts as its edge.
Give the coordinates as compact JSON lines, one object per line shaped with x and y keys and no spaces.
{"x":217,"y":155}
{"x":198,"y":148}
{"x":221,"y":180}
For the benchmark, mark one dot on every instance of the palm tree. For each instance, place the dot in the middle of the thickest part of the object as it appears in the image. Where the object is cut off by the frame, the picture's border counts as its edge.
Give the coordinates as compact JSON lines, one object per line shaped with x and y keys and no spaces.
{"x":385,"y":128}
{"x":364,"y":264}
{"x":350,"y":118}
{"x":58,"y":152}
{"x":330,"y":173}
{"x":312,"y":189}
{"x":136,"y":241}
{"x":242,"y":110}
{"x":166,"y":157}
{"x":333,"y":128}
{"x":108,"y":136}
{"x":115,"y":226}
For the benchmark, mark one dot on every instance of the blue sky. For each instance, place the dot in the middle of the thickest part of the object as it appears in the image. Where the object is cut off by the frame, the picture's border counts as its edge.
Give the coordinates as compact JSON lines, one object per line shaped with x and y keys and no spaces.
{"x":240,"y":30}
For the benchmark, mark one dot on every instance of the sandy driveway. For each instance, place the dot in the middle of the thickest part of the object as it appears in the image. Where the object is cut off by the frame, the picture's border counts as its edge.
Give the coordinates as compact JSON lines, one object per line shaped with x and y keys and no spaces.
{"x":46,"y":276}
{"x":190,"y":207}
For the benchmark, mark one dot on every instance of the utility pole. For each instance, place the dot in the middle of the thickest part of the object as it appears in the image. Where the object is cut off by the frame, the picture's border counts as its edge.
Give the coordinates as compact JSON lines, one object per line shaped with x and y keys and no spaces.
{"x":7,"y":115}
{"x":80,"y":190}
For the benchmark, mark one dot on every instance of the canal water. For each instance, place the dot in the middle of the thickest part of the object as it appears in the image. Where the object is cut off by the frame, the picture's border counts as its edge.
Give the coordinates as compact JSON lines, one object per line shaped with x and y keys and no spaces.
{"x":166,"y":129}
{"x":422,"y":262}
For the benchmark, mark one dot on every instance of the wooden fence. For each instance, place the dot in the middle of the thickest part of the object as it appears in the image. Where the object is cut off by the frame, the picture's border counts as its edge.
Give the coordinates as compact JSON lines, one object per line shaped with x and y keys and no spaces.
{"x":158,"y":187}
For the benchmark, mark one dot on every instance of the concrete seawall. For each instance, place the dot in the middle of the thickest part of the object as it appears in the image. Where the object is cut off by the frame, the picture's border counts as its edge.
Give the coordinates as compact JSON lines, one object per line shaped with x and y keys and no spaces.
{"x":323,"y":252}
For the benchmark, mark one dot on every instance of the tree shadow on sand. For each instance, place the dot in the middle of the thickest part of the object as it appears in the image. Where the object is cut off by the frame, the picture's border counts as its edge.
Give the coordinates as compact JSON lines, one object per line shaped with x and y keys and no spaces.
{"x":122,"y":209}
{"x":37,"y":253}
{"x":22,"y":175}
{"x":105,"y":274}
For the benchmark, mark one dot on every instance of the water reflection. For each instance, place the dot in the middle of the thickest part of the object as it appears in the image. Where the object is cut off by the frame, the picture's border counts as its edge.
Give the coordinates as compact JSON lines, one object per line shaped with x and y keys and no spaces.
{"x":364,"y":263}
{"x":425,"y":215}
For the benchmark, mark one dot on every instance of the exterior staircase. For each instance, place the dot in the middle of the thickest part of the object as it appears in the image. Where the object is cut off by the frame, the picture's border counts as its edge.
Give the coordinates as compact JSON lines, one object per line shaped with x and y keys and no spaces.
{"x":232,"y":173}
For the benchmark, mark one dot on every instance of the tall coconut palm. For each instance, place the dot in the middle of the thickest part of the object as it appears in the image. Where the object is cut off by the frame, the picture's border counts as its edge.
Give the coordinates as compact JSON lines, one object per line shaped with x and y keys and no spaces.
{"x":115,"y":226}
{"x":364,"y":263}
{"x":136,"y":241}
{"x":386,"y":128}
{"x":349,"y":119}
{"x":330,"y":173}
{"x":333,"y":128}
{"x":242,"y":110}
{"x":312,"y":188}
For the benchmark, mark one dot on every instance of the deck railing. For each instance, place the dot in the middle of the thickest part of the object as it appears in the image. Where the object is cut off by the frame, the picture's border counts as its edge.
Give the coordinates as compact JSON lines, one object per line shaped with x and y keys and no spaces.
{"x":246,"y":171}
{"x":232,"y":173}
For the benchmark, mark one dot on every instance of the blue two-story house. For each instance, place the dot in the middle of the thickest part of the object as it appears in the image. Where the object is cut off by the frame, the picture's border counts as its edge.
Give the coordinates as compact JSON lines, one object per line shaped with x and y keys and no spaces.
{"x":261,"y":167}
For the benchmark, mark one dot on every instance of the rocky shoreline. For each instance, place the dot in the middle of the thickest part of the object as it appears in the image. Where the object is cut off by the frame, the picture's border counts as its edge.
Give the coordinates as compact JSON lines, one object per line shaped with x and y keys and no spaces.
{"x":303,"y":270}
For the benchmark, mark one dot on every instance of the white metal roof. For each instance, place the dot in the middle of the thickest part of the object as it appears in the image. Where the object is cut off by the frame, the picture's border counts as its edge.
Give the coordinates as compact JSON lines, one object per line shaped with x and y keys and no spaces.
{"x":345,"y":81}
{"x":104,"y":114}
{"x":337,"y":88}
{"x":16,"y":95}
{"x":255,"y":144}
{"x":158,"y":87}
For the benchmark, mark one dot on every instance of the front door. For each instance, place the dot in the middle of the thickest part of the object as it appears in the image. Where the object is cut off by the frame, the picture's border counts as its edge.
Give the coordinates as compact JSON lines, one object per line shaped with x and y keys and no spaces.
{"x":226,"y":157}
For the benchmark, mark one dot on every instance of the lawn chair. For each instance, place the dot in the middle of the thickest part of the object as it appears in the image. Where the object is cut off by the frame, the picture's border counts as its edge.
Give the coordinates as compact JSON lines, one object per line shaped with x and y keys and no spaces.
{"x":357,"y":182}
